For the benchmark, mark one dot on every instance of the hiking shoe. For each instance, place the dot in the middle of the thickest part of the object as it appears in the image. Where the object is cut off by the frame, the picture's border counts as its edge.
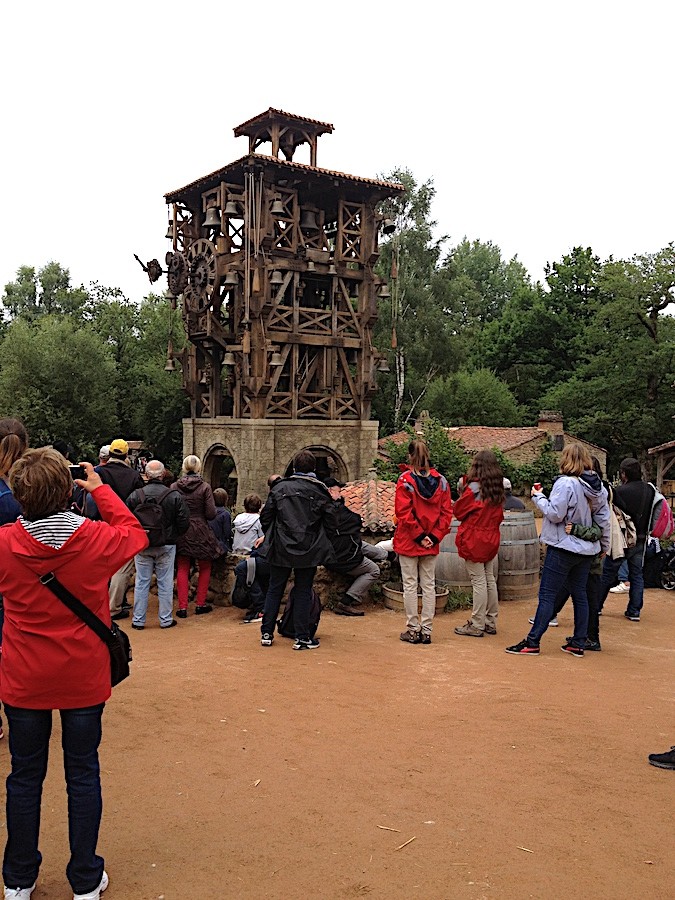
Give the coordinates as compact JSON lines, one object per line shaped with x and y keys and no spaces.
{"x":181,"y":613}
{"x":411,"y":637}
{"x":137,"y":627}
{"x":267,"y":639}
{"x":469,"y":630}
{"x":572,"y":649}
{"x":309,"y":644}
{"x":632,"y":617}
{"x":96,"y":893}
{"x":341,"y":609}
{"x":425,"y":637}
{"x":252,"y":617}
{"x":203,"y":609}
{"x":620,"y":588}
{"x":490,"y":629}
{"x":553,"y":623}
{"x":524,"y":647}
{"x":660,"y":760}
{"x":19,"y":893}
{"x":590,"y":645}
{"x":172,"y":624}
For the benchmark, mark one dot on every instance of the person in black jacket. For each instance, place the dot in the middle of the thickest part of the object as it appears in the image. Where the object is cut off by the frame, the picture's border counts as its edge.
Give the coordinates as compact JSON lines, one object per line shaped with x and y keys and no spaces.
{"x":175,"y":519}
{"x":635,"y":497}
{"x":352,"y":555}
{"x":294,"y":519}
{"x":123,"y":480}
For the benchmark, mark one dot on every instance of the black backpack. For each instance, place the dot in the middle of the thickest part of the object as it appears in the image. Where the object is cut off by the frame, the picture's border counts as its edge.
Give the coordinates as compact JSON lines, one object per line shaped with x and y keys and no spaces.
{"x":285,"y":625}
{"x":241,"y":593}
{"x":150,"y":514}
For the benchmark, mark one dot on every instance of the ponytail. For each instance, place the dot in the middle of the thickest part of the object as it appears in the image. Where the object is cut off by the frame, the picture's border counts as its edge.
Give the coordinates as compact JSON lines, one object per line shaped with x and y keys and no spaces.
{"x":418,"y":453}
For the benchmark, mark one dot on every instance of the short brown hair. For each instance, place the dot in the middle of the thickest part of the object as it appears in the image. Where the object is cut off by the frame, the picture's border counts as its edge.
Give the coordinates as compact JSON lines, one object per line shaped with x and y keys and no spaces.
{"x":304,"y":462}
{"x":575,"y":459}
{"x":13,"y":442}
{"x":252,"y":503}
{"x":221,"y":497}
{"x":41,"y":483}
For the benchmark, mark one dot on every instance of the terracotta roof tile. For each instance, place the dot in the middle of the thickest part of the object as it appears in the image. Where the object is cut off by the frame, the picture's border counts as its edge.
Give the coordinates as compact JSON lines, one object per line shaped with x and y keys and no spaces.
{"x":373,"y":500}
{"x":484,"y":437}
{"x":271,"y":113}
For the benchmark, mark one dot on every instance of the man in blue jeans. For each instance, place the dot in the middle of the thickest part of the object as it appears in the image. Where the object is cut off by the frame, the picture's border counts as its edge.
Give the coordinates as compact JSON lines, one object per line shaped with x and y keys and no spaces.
{"x":159,"y":559}
{"x":294,"y":520}
{"x":635,"y":497}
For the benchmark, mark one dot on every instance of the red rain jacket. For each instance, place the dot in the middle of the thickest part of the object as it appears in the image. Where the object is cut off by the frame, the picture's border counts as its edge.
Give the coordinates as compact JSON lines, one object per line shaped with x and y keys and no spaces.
{"x":478,"y":534}
{"x":423,"y":509}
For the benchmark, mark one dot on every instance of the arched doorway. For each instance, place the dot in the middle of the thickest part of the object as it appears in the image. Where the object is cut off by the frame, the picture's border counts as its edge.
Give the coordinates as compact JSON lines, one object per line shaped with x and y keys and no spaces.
{"x":328,"y":463}
{"x":220,"y":470}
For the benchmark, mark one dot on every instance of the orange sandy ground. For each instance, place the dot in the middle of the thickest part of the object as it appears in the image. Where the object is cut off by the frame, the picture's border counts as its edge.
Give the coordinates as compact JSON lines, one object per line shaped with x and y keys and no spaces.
{"x":232,"y":771}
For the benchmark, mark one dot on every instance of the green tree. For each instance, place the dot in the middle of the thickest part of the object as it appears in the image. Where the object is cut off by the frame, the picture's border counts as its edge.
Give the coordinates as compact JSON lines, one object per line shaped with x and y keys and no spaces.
{"x":55,"y":377}
{"x":473,"y":398}
{"x":46,"y":292}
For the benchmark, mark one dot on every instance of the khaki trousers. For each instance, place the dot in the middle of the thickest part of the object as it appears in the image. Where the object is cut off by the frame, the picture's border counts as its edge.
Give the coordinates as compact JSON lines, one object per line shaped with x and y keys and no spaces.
{"x":420,"y":569}
{"x":485,"y":599}
{"x":118,"y":585}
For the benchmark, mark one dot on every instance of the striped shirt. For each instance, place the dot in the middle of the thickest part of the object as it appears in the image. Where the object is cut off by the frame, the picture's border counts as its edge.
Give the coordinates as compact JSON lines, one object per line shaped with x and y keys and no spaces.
{"x":55,"y":530}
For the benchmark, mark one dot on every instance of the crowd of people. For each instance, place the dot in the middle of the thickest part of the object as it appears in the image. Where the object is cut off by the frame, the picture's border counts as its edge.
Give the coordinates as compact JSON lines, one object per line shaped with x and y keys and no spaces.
{"x":92,"y":529}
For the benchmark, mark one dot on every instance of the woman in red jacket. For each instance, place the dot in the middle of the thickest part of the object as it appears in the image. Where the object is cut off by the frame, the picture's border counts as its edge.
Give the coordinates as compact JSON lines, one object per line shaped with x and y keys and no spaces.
{"x":52,"y":660}
{"x":480,"y":512}
{"x":423,"y":515}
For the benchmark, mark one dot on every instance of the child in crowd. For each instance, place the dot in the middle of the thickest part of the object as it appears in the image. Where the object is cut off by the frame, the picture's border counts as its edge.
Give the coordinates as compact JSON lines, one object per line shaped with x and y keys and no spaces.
{"x":247,"y":527}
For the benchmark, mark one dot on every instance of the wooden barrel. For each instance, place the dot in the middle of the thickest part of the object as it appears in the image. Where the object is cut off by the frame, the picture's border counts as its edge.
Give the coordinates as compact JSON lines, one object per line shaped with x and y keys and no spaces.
{"x":518,"y":577}
{"x":393,"y":597}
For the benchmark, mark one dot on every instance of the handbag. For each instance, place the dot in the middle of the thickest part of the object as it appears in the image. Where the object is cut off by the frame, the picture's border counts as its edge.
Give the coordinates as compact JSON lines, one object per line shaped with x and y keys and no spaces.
{"x":116,"y":640}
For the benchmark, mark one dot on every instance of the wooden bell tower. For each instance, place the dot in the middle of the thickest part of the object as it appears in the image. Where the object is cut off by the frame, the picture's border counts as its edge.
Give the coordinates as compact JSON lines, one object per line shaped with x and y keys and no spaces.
{"x":274,"y":261}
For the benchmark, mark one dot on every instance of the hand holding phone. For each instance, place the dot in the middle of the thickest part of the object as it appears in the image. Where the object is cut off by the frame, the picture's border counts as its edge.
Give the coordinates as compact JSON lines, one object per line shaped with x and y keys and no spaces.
{"x":77,"y":472}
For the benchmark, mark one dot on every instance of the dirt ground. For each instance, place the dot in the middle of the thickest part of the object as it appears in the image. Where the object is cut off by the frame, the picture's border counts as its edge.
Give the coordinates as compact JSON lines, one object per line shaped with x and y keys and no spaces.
{"x":375,"y":768}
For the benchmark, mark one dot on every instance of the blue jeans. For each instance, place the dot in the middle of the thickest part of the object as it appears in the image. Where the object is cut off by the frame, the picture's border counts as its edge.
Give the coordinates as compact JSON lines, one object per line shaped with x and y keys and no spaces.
{"x":610,"y":570}
{"x":161,"y":561}
{"x":29,"y":733}
{"x":563,"y":567}
{"x":302,"y":599}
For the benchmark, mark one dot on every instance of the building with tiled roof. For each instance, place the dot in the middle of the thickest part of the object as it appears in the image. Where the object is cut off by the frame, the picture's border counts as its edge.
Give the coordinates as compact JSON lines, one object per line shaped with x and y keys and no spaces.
{"x":373,"y":499}
{"x":520,"y":445}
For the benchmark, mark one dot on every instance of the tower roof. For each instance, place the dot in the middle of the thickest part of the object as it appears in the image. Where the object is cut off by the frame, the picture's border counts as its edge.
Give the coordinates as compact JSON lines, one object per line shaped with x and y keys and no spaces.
{"x":277,"y":116}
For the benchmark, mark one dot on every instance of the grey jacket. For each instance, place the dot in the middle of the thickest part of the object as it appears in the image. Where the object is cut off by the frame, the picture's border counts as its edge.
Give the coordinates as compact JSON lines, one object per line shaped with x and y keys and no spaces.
{"x":579,"y":501}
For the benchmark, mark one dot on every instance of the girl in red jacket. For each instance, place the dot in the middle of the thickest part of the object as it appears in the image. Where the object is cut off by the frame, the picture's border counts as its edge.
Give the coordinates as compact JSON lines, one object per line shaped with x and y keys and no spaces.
{"x":480,"y":512}
{"x":423,"y":515}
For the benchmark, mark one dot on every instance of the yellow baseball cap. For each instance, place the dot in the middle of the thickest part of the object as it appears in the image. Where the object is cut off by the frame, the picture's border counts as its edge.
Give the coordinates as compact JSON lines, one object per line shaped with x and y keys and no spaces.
{"x":119,"y":447}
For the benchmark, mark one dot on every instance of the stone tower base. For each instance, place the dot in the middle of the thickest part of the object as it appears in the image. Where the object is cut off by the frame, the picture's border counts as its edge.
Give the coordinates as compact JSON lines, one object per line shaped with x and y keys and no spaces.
{"x":261,"y":447}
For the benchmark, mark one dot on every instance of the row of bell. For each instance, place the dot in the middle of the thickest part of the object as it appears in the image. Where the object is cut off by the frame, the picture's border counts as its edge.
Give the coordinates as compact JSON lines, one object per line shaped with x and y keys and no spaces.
{"x":308,"y":220}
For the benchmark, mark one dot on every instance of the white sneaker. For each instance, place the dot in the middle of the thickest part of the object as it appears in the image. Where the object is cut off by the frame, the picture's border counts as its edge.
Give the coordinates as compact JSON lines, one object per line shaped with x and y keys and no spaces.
{"x":96,"y":893}
{"x":18,"y":893}
{"x":553,"y":623}
{"x":620,"y":588}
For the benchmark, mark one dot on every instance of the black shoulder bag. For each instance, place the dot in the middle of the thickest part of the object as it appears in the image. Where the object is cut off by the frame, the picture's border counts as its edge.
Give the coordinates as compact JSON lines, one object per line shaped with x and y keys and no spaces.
{"x":114,"y":638}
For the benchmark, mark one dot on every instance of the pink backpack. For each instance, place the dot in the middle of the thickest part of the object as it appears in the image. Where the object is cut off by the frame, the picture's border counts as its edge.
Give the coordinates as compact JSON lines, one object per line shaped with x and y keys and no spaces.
{"x":661,"y":524}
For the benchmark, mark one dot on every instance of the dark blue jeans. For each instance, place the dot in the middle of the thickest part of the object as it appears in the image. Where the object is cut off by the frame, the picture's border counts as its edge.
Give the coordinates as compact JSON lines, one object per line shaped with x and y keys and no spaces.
{"x":610,"y":573}
{"x":562,"y":567}
{"x":302,"y":599}
{"x":593,"y":594}
{"x":29,"y":733}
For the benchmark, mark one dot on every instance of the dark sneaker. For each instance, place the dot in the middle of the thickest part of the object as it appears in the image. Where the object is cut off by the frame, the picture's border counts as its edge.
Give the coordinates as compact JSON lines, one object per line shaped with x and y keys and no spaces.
{"x":590,"y":645}
{"x":181,"y":613}
{"x":122,"y":614}
{"x":137,"y":627}
{"x":490,"y":629}
{"x":425,"y":637}
{"x":309,"y":644}
{"x":572,"y":649}
{"x":632,"y":617}
{"x":663,"y":760}
{"x":172,"y":624}
{"x":267,"y":639}
{"x":249,"y":618}
{"x":524,"y":647}
{"x":203,"y":609}
{"x":411,"y":637}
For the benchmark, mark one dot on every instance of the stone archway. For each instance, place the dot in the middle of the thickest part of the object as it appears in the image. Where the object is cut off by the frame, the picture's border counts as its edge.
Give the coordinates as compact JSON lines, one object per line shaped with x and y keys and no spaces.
{"x":328,"y":463}
{"x":220,"y":470}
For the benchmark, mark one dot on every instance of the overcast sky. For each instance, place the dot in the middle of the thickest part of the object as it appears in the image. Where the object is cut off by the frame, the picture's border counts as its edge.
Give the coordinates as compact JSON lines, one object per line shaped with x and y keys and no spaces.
{"x":543,"y":124}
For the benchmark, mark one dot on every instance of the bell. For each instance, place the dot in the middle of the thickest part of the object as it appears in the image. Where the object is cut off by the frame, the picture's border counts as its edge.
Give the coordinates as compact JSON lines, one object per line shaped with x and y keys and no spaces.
{"x":169,"y":232}
{"x":231,"y":209}
{"x":277,"y":208}
{"x":228,"y":359}
{"x":276,"y":278}
{"x":212,"y":219}
{"x":332,"y":270}
{"x":310,"y":266}
{"x":388,"y":226}
{"x":231,"y":280}
{"x":384,"y":292}
{"x":383,"y":365}
{"x":276,"y":359}
{"x":205,"y":379}
{"x":170,"y":365}
{"x":308,"y":220}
